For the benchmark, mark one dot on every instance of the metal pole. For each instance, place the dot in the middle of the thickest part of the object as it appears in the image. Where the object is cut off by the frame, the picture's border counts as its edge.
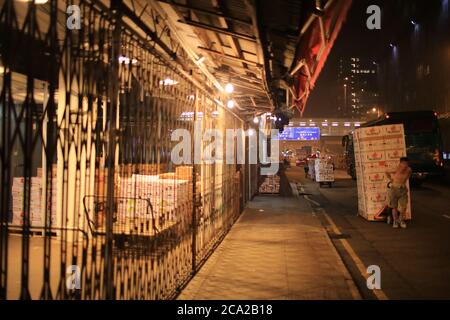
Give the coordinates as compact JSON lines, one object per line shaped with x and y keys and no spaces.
{"x":111,"y":127}
{"x":194,"y":187}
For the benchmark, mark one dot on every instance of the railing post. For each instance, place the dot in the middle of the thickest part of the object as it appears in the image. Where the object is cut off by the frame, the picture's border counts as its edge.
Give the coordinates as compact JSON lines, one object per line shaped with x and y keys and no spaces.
{"x":112,"y":111}
{"x":194,"y":187}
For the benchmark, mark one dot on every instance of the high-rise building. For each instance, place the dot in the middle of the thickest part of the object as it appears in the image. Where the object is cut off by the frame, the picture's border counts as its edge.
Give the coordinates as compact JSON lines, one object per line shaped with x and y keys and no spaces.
{"x":414,"y":68}
{"x":358,"y":90}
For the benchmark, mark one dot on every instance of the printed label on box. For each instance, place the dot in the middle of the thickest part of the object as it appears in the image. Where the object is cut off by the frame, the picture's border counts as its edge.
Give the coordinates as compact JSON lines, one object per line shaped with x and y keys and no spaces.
{"x":395,"y":154}
{"x":393,"y":129}
{"x":373,"y":156}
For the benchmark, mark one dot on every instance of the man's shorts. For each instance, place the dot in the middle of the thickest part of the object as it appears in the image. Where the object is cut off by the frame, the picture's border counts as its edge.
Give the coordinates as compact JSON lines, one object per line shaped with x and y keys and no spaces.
{"x":398,"y":197}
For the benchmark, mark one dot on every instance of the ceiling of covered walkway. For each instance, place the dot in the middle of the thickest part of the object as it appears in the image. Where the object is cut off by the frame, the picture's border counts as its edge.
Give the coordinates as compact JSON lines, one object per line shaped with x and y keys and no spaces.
{"x":271,"y":51}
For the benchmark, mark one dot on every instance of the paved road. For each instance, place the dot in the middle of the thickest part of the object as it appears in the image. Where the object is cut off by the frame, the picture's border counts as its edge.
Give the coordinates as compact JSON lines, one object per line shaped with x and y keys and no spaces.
{"x":415,"y":263}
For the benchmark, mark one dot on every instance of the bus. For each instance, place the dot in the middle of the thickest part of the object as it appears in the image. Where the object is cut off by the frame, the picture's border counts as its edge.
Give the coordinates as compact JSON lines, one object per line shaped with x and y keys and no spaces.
{"x":423,"y":143}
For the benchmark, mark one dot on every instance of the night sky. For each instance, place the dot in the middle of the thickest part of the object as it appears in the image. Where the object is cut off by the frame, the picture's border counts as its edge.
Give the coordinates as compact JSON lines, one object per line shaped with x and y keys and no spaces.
{"x":353,"y":40}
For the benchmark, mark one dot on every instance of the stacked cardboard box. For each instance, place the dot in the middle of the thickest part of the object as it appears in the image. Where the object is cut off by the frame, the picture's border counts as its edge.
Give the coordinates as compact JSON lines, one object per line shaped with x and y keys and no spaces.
{"x":377,"y":151}
{"x":184,"y":173}
{"x":52,"y":206}
{"x":19,"y":211}
{"x":53,"y":202}
{"x":271,"y":184}
{"x":129,"y":190}
{"x":323,"y":170}
{"x":169,"y":197}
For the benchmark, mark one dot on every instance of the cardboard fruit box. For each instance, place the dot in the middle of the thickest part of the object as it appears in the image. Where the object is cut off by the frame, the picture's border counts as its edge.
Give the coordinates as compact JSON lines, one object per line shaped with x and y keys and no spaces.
{"x":378,"y":150}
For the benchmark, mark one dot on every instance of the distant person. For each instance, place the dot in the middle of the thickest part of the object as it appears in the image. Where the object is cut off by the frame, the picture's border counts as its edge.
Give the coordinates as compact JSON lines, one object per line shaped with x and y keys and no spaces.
{"x":332,"y":164}
{"x":398,"y":192}
{"x":306,"y":168}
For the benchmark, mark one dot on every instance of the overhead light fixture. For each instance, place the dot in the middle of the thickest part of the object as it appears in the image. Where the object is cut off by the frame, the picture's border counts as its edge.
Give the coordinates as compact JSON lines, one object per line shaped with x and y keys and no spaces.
{"x":251,"y":132}
{"x":35,"y":1}
{"x":125,"y":60}
{"x":319,"y":10}
{"x":255,"y":120}
{"x":2,"y":69}
{"x":230,"y":104}
{"x":229,"y":88}
{"x":168,"y":82}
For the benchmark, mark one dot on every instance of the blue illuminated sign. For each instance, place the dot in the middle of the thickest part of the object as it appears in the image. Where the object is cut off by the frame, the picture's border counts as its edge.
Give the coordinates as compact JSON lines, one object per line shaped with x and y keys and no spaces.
{"x":299,"y":134}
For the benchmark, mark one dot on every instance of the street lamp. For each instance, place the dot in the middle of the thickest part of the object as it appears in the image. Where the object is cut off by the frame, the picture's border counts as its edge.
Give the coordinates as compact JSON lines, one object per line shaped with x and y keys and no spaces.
{"x":376,"y":110}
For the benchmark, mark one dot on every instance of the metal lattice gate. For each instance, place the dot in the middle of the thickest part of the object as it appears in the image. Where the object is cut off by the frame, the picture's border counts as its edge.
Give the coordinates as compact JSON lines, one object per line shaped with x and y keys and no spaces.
{"x":92,"y":206}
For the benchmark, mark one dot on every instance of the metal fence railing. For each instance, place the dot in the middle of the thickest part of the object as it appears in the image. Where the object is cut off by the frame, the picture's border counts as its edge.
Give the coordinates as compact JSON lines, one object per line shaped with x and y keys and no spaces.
{"x":92,"y":206}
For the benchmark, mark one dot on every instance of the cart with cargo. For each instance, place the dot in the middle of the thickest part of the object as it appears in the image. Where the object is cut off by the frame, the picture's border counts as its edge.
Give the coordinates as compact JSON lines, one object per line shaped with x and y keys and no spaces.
{"x":324,"y":172}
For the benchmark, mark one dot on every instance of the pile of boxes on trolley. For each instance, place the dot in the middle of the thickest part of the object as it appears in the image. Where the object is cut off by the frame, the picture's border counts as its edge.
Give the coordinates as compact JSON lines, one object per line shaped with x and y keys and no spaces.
{"x":143,"y":203}
{"x":321,"y":170}
{"x":377,"y":151}
{"x":36,"y":209}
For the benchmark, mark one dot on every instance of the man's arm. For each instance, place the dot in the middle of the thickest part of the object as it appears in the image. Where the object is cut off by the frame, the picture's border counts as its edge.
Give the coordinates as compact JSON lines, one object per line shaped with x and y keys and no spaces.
{"x":389,"y":175}
{"x":409,"y":173}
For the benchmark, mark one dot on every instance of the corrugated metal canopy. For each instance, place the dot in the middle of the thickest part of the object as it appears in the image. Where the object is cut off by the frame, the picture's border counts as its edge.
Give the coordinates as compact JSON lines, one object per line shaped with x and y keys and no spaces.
{"x":258,"y":46}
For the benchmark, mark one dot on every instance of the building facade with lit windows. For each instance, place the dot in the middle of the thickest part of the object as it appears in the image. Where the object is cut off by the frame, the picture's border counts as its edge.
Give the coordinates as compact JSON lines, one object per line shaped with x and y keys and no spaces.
{"x":358,"y":88}
{"x":414,"y":68}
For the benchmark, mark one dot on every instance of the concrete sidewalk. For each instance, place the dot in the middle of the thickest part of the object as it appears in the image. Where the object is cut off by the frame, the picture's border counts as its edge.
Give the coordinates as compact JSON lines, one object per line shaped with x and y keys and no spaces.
{"x":277,"y":250}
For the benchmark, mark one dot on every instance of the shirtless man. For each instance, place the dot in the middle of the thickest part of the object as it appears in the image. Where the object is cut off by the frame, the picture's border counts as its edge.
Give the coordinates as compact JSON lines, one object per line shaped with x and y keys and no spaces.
{"x":398,"y":193}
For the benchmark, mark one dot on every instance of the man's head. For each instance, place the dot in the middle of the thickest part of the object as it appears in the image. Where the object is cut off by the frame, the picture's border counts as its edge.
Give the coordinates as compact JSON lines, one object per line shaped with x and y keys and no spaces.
{"x":404,"y":162}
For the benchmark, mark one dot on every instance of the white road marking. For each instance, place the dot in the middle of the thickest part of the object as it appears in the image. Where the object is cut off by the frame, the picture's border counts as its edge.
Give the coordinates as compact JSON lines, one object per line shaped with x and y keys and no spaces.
{"x":307,"y":197}
{"x":358,"y":262}
{"x":312,"y":201}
